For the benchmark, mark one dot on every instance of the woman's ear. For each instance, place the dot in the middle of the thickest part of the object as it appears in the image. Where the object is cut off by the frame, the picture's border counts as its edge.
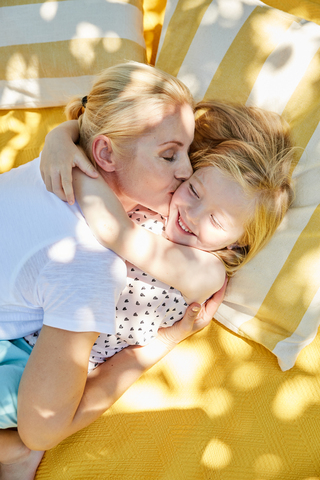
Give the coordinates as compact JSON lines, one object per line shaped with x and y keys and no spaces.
{"x":103,"y":154}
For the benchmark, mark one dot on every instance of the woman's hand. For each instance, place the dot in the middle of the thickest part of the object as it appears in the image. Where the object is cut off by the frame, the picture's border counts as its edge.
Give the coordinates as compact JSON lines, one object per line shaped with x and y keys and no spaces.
{"x":195,"y":319}
{"x":59,"y":156}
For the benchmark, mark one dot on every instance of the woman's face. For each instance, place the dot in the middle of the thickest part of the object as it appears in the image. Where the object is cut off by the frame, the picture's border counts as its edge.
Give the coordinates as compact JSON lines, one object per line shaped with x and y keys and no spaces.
{"x":160,"y":162}
{"x":208,"y":211}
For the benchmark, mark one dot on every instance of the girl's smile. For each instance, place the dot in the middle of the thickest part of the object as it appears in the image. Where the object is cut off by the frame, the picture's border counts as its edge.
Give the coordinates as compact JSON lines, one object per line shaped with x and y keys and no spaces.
{"x":183,"y":226}
{"x":208,"y":211}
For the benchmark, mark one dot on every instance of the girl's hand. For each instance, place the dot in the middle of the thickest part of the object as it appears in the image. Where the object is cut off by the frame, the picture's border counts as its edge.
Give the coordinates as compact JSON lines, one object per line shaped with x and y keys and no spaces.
{"x":59,"y":156}
{"x":195,"y":319}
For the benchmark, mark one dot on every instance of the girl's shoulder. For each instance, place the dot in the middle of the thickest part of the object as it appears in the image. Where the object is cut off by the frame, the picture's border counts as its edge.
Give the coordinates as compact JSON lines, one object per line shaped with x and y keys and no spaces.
{"x":148,"y":219}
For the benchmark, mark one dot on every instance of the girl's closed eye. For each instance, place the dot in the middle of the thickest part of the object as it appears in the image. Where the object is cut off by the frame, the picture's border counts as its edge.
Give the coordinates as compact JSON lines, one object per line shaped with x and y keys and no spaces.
{"x":216,"y":223}
{"x":193,"y":190}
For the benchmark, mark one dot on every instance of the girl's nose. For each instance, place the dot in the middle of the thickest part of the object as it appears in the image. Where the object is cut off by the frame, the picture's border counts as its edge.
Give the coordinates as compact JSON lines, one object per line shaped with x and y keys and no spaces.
{"x":192,"y":216}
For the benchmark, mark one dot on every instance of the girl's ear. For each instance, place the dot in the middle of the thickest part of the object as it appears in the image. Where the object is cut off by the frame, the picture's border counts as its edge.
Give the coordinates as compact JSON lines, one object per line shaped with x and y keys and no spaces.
{"x":232,"y":246}
{"x":103,"y":154}
{"x":236,"y":245}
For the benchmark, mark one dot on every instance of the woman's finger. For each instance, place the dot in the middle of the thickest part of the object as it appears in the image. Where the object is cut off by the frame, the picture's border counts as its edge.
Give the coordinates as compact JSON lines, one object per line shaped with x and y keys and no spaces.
{"x":215,"y":301}
{"x":189,"y":318}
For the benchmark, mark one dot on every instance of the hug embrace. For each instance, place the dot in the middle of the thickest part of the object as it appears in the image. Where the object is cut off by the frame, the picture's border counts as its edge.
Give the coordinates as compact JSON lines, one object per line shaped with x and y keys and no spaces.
{"x":212,"y":180}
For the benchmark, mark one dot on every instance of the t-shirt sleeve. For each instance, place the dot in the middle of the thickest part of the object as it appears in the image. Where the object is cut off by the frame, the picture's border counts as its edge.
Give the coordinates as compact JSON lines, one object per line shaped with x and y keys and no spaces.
{"x":80,"y":293}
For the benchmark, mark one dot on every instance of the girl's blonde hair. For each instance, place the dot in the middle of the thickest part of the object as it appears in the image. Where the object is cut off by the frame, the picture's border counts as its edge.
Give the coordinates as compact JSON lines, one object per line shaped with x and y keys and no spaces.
{"x":253,"y":147}
{"x":122,"y":101}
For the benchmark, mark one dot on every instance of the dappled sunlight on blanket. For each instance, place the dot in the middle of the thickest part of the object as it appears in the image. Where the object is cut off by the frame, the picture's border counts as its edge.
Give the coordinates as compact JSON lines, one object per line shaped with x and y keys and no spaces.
{"x":22,"y":134}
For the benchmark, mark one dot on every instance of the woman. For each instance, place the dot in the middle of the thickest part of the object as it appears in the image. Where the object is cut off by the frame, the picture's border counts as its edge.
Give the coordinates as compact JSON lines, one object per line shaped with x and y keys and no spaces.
{"x":46,"y":257}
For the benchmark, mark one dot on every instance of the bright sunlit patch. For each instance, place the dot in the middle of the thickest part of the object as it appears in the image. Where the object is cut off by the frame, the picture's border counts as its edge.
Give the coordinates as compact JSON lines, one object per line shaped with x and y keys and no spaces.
{"x":19,"y":133}
{"x":63,"y":251}
{"x":247,"y":376}
{"x":190,"y":79}
{"x":211,"y":15}
{"x":7,"y":159}
{"x":88,"y":30}
{"x":17,"y":67}
{"x":218,"y":402}
{"x":84,"y":50}
{"x":145,"y":398}
{"x":268,"y":465}
{"x":294,"y":397}
{"x":188,"y":365}
{"x":84,"y":234}
{"x":113,"y":44}
{"x":217,"y":455}
{"x":48,"y":10}
{"x":310,"y":361}
{"x":230,"y":9}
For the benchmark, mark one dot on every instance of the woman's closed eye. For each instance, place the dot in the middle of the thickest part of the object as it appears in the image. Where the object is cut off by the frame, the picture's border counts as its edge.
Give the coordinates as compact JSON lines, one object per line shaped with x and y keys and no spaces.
{"x":169,"y":155}
{"x":170,"y":159}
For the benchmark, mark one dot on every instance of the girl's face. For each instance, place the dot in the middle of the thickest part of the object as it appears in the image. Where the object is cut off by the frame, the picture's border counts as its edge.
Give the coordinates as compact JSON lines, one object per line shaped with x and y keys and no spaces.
{"x":161,"y":162}
{"x":208,"y":211}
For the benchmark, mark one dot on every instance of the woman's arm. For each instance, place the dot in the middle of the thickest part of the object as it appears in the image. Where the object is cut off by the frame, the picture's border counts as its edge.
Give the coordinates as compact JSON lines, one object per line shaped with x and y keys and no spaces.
{"x":195,"y":273}
{"x":56,"y":398}
{"x":59,"y":156}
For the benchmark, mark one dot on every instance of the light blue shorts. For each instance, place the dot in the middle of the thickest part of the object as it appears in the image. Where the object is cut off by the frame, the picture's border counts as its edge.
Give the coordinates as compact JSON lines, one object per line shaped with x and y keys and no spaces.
{"x":14,"y":355}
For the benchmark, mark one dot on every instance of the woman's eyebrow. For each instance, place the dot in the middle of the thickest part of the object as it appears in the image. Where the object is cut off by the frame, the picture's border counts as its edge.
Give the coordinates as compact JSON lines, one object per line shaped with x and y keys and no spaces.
{"x":173,"y":141}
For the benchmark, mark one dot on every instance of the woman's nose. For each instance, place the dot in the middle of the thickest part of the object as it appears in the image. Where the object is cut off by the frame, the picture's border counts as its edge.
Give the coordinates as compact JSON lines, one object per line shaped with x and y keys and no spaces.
{"x":184,"y":168}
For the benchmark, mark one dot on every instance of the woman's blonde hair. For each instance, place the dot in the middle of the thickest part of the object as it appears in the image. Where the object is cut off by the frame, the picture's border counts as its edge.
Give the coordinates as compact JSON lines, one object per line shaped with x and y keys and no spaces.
{"x":122,"y":101}
{"x":253,"y":147}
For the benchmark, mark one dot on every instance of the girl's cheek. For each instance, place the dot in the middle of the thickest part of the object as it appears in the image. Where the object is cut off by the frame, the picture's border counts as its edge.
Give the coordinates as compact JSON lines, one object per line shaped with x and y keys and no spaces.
{"x":185,"y":197}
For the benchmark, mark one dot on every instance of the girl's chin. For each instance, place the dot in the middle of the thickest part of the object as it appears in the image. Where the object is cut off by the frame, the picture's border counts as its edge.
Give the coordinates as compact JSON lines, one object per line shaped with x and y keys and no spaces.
{"x":176,"y":238}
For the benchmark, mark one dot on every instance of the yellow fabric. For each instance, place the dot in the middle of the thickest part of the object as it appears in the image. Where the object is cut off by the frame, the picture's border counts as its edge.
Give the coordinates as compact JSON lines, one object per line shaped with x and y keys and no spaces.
{"x":22,"y":134}
{"x":218,"y":407}
{"x":152,"y":23}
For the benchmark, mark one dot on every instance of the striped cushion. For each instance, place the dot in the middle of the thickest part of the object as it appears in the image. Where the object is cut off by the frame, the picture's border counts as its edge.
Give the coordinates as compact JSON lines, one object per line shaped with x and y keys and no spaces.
{"x":248,"y":52}
{"x":51,"y":50}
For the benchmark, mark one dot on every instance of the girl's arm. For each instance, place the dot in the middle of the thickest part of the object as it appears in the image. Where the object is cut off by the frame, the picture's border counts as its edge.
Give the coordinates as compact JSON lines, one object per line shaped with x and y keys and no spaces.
{"x":56,"y":398}
{"x":59,"y":156}
{"x":195,"y":273}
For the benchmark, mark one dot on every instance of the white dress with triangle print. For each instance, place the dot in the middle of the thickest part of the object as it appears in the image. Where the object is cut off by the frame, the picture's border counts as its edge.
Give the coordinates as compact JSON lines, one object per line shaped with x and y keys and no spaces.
{"x":144,"y":306}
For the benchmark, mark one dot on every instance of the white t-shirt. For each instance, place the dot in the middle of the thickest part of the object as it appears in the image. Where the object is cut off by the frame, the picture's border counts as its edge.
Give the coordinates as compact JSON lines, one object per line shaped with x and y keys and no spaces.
{"x":52,"y":269}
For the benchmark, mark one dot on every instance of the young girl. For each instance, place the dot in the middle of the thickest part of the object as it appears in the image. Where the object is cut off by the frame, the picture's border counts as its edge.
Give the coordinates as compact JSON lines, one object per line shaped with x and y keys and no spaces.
{"x":230,"y":207}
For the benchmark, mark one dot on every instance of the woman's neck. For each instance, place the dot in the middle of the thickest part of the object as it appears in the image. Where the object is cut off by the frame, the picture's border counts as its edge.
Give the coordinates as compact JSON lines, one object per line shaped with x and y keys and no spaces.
{"x":111,"y":179}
